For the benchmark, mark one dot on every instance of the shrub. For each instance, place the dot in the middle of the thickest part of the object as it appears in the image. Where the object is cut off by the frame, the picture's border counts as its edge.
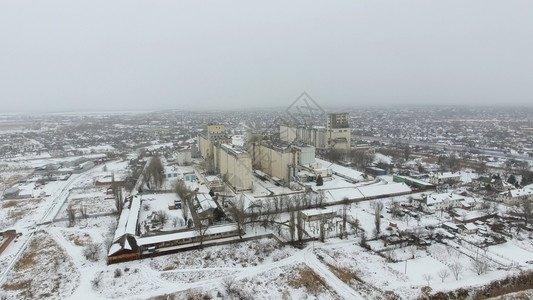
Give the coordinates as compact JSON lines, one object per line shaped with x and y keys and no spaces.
{"x":91,"y":252}
{"x":118,"y":273}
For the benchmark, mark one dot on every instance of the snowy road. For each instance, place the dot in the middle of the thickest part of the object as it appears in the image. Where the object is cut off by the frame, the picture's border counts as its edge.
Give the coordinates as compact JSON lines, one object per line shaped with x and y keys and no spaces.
{"x":47,"y":217}
{"x":341,"y":288}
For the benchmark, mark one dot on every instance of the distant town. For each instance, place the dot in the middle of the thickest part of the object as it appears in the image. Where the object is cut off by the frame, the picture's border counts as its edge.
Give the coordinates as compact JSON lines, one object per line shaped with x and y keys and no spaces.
{"x":399,"y":202}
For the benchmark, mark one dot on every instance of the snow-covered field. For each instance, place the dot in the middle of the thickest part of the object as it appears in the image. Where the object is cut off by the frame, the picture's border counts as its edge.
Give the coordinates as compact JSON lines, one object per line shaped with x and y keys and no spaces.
{"x":51,"y":261}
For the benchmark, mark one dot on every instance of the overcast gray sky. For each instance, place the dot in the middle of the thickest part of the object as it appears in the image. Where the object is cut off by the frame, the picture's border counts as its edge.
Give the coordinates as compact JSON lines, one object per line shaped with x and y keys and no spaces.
{"x":129,"y":55}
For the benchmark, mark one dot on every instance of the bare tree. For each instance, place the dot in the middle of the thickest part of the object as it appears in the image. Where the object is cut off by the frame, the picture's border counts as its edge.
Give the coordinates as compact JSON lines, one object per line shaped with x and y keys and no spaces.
{"x":201,"y":230}
{"x":427,"y":277}
{"x":229,"y":285}
{"x":412,"y":250}
{"x":333,"y":155}
{"x":395,"y":209}
{"x":355,"y":225}
{"x":344,"y":210}
{"x":96,"y":280}
{"x":292,"y":223}
{"x":407,"y":152}
{"x":320,"y":198}
{"x":154,"y":173}
{"x":377,"y":216}
{"x":83,"y":211}
{"x":185,"y":195}
{"x":456,"y":268}
{"x":119,"y":204}
{"x":268,"y":207}
{"x":175,"y":221}
{"x":286,"y":200}
{"x":363,"y":241}
{"x":523,"y":210}
{"x":71,"y":213}
{"x":92,"y":251}
{"x":406,"y":218}
{"x":299,"y":225}
{"x":323,"y":229}
{"x":361,"y":158}
{"x":236,"y":211}
{"x":379,"y":206}
{"x":443,"y":274}
{"x":146,"y":206}
{"x":479,"y":265}
{"x":162,"y":217}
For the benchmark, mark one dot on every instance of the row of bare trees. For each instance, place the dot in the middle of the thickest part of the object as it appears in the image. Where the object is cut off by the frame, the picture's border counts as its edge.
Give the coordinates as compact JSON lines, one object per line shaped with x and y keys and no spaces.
{"x":186,"y":195}
{"x":154,"y":173}
{"x":360,"y":158}
{"x":286,"y":203}
{"x":478,"y":265}
{"x":73,"y":211}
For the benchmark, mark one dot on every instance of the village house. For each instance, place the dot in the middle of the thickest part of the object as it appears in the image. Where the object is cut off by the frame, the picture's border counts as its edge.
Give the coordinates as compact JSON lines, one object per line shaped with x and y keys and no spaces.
{"x":495,"y":184}
{"x":513,"y":197}
{"x":205,"y":206}
{"x":468,"y":228}
{"x":317,"y":214}
{"x":436,"y":202}
{"x":444,"y":177}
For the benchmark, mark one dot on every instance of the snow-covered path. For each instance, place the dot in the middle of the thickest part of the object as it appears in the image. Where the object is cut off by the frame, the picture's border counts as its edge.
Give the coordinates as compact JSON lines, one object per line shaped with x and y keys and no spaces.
{"x":47,"y":214}
{"x":341,"y":288}
{"x":217,"y":282}
{"x":301,"y":256}
{"x":46,"y":217}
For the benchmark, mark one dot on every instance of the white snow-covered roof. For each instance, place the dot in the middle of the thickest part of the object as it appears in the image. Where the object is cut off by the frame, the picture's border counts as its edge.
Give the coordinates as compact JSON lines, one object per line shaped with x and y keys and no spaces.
{"x":12,"y":190}
{"x":450,"y":225}
{"x":133,"y":215}
{"x":114,"y":248}
{"x":447,"y":175}
{"x":470,"y":226}
{"x":127,"y":244}
{"x":122,"y":222}
{"x":470,"y":215}
{"x":340,"y":170}
{"x":444,"y":232}
{"x":465,"y":204}
{"x":184,"y":235}
{"x":340,"y":194}
{"x":205,"y":202}
{"x":384,"y":189}
{"x":316,"y":212}
{"x":520,"y":193}
{"x":238,"y":140}
{"x":439,"y":198}
{"x":506,"y":184}
{"x":421,"y":182}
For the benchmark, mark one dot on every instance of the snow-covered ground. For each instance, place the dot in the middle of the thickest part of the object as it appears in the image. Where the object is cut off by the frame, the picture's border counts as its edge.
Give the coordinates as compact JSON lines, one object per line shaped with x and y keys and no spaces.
{"x":49,"y":260}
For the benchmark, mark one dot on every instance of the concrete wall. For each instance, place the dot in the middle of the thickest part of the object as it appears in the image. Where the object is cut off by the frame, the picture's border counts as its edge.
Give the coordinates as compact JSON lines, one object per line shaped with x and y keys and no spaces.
{"x":287,"y":133}
{"x":235,"y":167}
{"x":315,"y":136}
{"x":275,"y":162}
{"x":204,"y":145}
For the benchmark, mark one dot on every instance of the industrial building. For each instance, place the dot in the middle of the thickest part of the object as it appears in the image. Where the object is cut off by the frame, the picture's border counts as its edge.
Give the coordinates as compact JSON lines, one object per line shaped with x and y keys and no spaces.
{"x":280,"y":160}
{"x":335,"y":135}
{"x":232,"y":163}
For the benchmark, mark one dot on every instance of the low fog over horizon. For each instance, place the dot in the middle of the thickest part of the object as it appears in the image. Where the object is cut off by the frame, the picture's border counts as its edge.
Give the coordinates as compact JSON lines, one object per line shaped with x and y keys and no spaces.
{"x":133,"y":55}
